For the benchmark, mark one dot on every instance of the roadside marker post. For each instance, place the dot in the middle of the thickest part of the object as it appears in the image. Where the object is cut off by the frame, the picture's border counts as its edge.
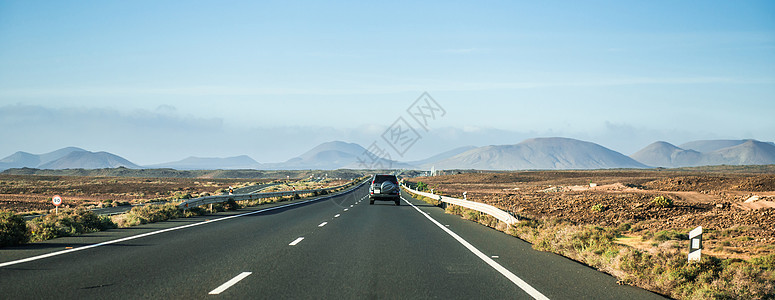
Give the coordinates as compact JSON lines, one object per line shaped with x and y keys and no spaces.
{"x":695,"y":244}
{"x":56,"y":200}
{"x":464,"y":196}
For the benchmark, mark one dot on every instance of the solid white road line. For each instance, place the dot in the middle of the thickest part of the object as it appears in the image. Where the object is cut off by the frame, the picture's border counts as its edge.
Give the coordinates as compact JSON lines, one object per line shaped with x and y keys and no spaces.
{"x":5,"y":264}
{"x":322,"y":224}
{"x":296,"y":241}
{"x":229,"y":283}
{"x":505,"y":272}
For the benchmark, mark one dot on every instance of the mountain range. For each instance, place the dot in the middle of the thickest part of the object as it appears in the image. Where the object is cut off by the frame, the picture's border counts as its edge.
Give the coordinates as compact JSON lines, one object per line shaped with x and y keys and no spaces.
{"x":65,"y":158}
{"x":334,"y":155}
{"x":210,"y":163}
{"x":532,"y":154}
{"x":540,"y":153}
{"x":707,"y":153}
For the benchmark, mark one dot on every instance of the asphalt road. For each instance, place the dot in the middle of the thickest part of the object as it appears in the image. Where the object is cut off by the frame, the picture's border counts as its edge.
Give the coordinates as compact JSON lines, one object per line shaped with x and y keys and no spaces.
{"x":335,"y":248}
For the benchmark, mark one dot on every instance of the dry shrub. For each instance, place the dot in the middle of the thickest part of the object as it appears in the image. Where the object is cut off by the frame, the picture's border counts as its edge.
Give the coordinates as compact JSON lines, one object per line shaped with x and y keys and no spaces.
{"x":13,"y":229}
{"x":67,"y":222}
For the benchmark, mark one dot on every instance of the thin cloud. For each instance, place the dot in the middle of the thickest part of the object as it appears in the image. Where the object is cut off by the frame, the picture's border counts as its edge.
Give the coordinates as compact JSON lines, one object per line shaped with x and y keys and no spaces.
{"x":362,"y":89}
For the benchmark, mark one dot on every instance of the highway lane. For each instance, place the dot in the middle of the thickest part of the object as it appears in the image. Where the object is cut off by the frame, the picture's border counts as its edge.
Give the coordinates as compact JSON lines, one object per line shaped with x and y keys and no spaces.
{"x":342,"y":247}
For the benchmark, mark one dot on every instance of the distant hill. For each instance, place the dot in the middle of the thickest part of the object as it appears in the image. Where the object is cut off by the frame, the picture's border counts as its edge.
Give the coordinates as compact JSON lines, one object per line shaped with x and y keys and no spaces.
{"x":428,"y":162}
{"x":171,"y":173}
{"x":664,"y":154}
{"x":88,"y":160}
{"x":540,"y":153}
{"x":211,"y":163}
{"x":751,"y":152}
{"x":732,"y":152}
{"x":713,"y":145}
{"x":330,"y":156}
{"x":20,"y":159}
{"x":23,"y":159}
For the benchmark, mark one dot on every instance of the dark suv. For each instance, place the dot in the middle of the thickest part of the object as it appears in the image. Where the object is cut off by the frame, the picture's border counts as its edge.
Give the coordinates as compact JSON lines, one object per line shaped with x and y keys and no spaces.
{"x":384,"y":187}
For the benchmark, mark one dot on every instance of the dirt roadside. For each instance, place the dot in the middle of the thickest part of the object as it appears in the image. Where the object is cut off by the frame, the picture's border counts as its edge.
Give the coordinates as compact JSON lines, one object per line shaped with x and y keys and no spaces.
{"x":717,"y":201}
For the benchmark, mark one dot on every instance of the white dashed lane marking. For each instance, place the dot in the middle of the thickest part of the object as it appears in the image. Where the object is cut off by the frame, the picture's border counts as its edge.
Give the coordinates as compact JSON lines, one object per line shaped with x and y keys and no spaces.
{"x":229,"y":283}
{"x":296,"y":241}
{"x":322,"y":224}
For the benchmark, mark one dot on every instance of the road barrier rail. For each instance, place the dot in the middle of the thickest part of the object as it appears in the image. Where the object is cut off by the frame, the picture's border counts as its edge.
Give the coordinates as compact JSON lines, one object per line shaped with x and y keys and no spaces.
{"x":195,"y":202}
{"x":481,"y":207}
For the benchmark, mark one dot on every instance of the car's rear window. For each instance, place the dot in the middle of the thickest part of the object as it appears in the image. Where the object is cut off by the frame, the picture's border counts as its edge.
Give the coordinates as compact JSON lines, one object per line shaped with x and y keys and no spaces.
{"x":383,"y":178}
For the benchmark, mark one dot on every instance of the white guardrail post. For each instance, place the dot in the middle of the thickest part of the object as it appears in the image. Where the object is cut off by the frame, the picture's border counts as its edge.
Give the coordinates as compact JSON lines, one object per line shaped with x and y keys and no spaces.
{"x":481,"y":207}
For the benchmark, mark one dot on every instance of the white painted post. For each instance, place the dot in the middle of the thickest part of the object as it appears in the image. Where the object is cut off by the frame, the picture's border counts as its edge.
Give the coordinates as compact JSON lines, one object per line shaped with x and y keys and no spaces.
{"x":464,"y":195}
{"x":695,"y":244}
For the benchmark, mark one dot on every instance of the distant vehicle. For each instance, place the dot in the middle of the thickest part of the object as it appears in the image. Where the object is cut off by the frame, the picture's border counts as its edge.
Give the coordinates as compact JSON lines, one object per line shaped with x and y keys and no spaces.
{"x":384,"y":187}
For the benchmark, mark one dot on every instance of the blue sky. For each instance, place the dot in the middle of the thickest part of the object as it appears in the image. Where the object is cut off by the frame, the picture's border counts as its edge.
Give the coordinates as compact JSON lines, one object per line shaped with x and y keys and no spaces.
{"x":149,"y":79}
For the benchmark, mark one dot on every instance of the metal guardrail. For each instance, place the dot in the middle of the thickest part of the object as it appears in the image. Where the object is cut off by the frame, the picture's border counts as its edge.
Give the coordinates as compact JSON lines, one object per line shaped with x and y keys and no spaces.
{"x":481,"y":207}
{"x":241,"y":197}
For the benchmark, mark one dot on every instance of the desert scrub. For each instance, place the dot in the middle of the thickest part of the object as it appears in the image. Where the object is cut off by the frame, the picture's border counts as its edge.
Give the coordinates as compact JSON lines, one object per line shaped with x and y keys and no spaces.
{"x":13,"y":229}
{"x":665,"y":270}
{"x":668,"y":235}
{"x":149,"y":214}
{"x":67,"y":223}
{"x":599,"y":207}
{"x":476,"y":216}
{"x":661,"y":201}
{"x":431,"y":201}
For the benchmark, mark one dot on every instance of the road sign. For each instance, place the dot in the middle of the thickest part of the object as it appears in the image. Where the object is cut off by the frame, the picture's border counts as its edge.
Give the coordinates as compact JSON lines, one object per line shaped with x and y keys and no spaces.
{"x":57,"y":201}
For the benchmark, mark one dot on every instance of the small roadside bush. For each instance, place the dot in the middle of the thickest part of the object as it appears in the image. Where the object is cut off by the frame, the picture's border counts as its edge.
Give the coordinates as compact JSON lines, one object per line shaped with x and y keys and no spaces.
{"x":661,"y":201}
{"x":13,"y":229}
{"x":231,"y":205}
{"x":421,"y":186}
{"x":667,"y":235}
{"x":194,"y":211}
{"x":67,"y":223}
{"x":599,"y":207}
{"x":765,"y":262}
{"x":151,"y":213}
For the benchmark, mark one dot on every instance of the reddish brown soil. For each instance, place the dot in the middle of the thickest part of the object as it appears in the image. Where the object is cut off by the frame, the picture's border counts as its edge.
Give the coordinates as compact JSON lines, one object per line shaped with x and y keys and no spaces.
{"x":22,"y":193}
{"x":713,"y":201}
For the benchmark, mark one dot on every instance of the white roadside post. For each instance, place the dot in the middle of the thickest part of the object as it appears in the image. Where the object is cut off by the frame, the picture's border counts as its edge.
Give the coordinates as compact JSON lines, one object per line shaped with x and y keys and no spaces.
{"x":695,"y":244}
{"x":464,"y":196}
{"x":57,"y":200}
